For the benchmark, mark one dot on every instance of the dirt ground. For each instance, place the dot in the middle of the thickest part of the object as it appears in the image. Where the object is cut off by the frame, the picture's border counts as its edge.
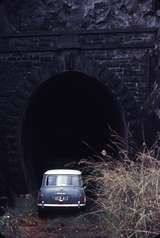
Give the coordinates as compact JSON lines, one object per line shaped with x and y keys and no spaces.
{"x":23,"y":221}
{"x":62,"y":228}
{"x":55,"y":227}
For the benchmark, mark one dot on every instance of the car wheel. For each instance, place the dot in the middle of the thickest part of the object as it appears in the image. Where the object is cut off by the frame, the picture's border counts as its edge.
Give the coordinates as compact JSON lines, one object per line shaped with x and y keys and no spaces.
{"x":83,"y":208}
{"x":41,"y":212}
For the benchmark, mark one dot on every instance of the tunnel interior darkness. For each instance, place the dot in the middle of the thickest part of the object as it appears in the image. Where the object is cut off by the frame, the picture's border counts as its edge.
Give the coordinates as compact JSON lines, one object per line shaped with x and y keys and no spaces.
{"x":63,"y":113}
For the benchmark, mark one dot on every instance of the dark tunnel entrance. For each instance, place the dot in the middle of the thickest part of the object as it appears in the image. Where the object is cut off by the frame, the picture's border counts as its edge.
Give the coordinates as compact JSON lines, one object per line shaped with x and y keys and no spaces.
{"x":63,"y":113}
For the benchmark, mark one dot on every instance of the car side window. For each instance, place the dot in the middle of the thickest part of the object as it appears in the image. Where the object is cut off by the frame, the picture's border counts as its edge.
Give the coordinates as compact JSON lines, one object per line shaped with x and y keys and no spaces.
{"x":75,"y":180}
{"x":51,"y":180}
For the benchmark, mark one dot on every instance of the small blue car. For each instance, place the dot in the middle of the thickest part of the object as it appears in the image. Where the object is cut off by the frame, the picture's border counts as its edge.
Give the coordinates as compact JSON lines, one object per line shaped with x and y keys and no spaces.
{"x":61,"y":188}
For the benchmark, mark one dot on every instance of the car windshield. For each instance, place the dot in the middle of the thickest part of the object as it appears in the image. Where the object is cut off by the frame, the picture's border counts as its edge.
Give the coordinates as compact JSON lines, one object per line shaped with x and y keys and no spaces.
{"x":64,"y":180}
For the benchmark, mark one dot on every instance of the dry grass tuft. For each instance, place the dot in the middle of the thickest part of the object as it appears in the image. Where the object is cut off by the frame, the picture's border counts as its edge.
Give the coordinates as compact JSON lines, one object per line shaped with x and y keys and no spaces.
{"x":127,"y":194}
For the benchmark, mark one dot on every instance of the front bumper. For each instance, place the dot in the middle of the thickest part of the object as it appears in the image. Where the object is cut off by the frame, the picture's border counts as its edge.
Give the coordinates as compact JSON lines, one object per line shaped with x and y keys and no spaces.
{"x":60,"y":205}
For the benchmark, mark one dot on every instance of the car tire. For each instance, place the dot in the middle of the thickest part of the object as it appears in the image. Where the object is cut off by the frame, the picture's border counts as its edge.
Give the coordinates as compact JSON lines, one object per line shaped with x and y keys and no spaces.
{"x":41,"y":212}
{"x":83,"y":209}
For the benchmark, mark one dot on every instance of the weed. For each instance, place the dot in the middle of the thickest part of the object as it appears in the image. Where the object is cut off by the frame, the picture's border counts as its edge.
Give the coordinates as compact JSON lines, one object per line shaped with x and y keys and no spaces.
{"x":127,"y":194}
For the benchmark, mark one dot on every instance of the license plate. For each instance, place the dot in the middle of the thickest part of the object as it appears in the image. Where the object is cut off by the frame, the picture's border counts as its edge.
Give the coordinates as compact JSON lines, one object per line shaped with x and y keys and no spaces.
{"x":61,"y":198}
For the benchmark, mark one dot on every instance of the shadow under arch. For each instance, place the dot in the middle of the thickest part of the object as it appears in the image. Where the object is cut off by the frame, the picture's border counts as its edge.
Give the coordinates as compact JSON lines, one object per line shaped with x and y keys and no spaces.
{"x":64,"y":112}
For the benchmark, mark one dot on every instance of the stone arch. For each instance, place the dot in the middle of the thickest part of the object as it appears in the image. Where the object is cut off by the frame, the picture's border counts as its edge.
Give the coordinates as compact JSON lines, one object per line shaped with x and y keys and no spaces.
{"x":121,"y":92}
{"x":76,"y":92}
{"x":17,"y":105}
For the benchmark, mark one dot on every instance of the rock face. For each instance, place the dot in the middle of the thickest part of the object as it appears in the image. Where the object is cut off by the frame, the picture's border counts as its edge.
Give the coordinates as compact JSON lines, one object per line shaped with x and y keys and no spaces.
{"x":24,"y":15}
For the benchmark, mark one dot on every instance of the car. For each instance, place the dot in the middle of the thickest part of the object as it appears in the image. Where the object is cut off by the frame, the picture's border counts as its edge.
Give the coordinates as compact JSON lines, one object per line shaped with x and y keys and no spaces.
{"x":61,"y":188}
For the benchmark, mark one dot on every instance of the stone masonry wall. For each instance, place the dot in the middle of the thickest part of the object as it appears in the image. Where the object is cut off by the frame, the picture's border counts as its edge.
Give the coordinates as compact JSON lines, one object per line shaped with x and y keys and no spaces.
{"x":44,"y":37}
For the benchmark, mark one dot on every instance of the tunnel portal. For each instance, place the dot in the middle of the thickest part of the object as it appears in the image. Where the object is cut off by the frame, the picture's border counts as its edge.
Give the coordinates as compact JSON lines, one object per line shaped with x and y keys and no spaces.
{"x":64,"y":114}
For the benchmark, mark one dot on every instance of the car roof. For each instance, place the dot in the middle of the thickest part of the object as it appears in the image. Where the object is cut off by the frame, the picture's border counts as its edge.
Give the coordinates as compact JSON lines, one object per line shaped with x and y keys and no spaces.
{"x":63,"y":171}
